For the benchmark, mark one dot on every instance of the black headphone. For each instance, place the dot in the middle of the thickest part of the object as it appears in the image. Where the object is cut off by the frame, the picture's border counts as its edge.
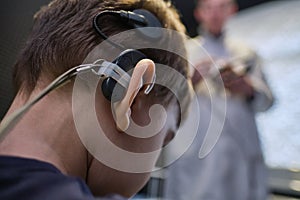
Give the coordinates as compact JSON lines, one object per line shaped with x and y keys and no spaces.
{"x":128,"y":59}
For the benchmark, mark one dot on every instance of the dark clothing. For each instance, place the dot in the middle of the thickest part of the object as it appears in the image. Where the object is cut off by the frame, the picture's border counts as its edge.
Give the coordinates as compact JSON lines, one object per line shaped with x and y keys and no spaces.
{"x":22,"y":178}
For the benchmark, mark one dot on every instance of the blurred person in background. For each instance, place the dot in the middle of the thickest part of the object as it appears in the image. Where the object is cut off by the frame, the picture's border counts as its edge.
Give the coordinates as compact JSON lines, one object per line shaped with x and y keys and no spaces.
{"x":235,"y":168}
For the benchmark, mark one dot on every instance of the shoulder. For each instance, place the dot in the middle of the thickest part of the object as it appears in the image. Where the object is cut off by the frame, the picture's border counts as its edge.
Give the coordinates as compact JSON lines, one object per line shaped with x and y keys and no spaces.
{"x":195,"y":49}
{"x":239,"y":48}
{"x":33,"y":179}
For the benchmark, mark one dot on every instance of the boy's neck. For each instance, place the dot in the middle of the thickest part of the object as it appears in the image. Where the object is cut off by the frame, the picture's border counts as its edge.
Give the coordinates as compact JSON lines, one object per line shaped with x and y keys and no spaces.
{"x":47,"y":133}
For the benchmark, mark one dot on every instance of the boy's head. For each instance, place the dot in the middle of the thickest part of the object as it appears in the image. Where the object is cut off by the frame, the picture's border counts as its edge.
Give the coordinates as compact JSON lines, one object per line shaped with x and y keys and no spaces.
{"x":63,"y":36}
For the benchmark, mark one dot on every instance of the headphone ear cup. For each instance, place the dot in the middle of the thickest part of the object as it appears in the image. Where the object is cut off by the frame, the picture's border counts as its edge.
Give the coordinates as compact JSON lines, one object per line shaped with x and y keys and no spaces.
{"x":108,"y":86}
{"x":127,"y":60}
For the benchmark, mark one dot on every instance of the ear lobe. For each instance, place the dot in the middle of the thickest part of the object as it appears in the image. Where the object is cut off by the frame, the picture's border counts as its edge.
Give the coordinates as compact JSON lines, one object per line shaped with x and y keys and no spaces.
{"x":143,"y":73}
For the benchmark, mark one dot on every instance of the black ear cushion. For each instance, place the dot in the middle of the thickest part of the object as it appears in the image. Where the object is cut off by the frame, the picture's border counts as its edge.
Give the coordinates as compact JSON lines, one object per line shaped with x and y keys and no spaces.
{"x":127,"y":60}
{"x":152,"y":21}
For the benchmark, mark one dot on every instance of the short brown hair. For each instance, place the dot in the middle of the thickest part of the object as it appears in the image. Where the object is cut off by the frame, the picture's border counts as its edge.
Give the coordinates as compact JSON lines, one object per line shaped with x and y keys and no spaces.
{"x":63,"y":36}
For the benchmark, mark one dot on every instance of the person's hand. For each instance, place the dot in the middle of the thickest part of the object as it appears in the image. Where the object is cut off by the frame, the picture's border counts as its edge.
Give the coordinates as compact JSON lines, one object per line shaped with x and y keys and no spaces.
{"x":237,"y":84}
{"x":201,"y":70}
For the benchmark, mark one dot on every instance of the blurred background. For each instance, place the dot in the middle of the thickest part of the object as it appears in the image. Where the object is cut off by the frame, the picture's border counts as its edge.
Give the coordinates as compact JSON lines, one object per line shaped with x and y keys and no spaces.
{"x":272,"y":28}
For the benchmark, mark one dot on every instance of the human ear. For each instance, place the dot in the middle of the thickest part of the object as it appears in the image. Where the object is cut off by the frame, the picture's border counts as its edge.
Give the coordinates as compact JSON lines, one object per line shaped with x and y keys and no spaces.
{"x":143,"y":73}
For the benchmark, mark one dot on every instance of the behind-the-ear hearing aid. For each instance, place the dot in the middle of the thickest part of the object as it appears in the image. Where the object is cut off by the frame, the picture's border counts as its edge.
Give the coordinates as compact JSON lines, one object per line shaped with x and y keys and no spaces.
{"x":128,"y":59}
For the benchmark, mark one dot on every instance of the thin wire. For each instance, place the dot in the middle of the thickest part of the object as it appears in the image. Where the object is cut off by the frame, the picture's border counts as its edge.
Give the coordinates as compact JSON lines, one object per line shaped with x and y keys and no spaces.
{"x":100,"y":32}
{"x":8,"y":123}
